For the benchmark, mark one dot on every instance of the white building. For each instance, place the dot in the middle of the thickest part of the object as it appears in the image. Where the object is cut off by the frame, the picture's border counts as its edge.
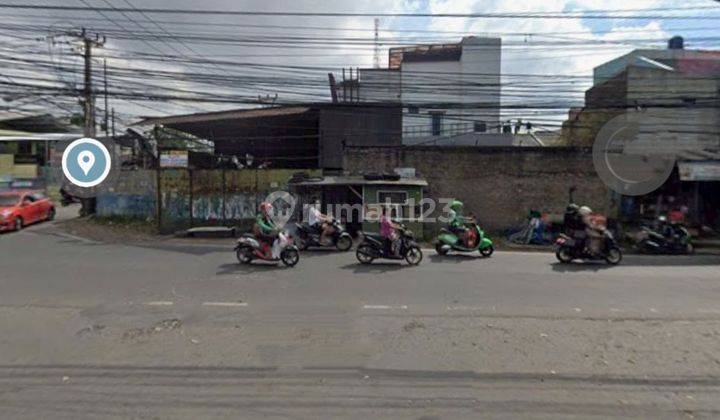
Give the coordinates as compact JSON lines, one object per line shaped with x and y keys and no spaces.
{"x":446,"y":89}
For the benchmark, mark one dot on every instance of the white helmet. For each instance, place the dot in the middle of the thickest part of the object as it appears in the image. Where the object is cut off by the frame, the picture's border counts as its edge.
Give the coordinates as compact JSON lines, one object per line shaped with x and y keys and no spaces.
{"x":585,"y":210}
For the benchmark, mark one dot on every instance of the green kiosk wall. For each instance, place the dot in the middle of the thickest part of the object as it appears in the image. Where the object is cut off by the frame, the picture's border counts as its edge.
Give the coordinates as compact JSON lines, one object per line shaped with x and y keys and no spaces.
{"x":377,"y":194}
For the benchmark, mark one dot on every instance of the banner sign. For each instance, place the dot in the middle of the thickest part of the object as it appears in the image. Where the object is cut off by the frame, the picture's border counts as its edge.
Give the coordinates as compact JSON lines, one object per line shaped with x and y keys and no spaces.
{"x":699,"y":171}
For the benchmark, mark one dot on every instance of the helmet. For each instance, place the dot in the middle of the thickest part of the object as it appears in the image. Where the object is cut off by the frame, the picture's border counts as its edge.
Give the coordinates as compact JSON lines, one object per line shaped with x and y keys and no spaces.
{"x":266,"y":207}
{"x":572,"y":208}
{"x":662,"y":219}
{"x":456,"y":205}
{"x":585,"y":210}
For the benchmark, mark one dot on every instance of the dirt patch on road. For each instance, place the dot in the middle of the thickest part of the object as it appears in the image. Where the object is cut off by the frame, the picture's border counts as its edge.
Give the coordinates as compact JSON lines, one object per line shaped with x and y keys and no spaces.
{"x":111,"y":230}
{"x":164,"y":325}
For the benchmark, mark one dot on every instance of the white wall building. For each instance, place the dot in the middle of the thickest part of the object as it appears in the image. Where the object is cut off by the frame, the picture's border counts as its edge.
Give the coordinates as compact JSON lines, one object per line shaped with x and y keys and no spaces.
{"x":446,"y":89}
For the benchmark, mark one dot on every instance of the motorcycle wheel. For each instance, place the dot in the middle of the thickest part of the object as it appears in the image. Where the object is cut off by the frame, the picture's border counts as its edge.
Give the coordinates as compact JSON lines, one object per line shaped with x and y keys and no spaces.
{"x":486,"y":252}
{"x":344,"y":243}
{"x":614,"y":256}
{"x":364,"y":254}
{"x":413,"y":255}
{"x":564,"y":255}
{"x":245,"y":254}
{"x":439,"y":248}
{"x":290,"y":257}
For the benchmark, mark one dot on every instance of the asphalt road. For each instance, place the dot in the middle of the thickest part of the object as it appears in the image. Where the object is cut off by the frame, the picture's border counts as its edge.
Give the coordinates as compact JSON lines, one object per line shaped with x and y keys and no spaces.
{"x":180,"y":330}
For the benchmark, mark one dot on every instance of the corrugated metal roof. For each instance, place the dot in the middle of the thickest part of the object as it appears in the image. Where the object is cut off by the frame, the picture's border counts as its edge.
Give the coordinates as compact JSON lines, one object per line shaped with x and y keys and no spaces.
{"x":225,"y":115}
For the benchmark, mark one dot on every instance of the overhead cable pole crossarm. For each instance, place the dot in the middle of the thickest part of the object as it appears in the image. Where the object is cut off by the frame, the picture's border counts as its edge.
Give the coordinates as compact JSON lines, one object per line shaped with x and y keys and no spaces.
{"x":89,"y":41}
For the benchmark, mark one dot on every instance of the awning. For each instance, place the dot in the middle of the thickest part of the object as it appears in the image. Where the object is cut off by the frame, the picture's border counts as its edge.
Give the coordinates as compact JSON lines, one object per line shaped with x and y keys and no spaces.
{"x":19,"y":136}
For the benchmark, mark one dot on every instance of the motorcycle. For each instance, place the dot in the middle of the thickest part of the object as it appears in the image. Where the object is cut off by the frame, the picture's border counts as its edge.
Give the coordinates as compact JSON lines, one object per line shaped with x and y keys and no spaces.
{"x":568,"y":249}
{"x":375,"y":246}
{"x":474,"y":241}
{"x":651,"y":241}
{"x":308,"y":236}
{"x":249,"y":248}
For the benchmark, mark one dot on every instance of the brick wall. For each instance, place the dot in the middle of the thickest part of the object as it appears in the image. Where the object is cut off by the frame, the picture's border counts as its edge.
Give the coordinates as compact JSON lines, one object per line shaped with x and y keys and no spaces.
{"x":500,"y":185}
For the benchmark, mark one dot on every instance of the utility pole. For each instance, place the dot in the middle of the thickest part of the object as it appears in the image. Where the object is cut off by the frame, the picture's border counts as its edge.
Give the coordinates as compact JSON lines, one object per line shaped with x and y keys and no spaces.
{"x":89,"y":99}
{"x":113,"y":124}
{"x":88,"y":204}
{"x":107,"y":128}
{"x":376,"y":55}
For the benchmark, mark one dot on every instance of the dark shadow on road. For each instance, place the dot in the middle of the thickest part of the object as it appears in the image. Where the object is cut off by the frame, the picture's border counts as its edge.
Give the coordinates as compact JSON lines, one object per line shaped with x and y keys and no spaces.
{"x":581,"y":266}
{"x":376,"y":267}
{"x":671,"y":260}
{"x":641,"y":261}
{"x":455,"y":258}
{"x":254,"y":267}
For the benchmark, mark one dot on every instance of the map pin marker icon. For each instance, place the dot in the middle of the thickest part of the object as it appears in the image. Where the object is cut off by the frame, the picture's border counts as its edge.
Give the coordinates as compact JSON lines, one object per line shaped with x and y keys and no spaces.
{"x":86,"y":160}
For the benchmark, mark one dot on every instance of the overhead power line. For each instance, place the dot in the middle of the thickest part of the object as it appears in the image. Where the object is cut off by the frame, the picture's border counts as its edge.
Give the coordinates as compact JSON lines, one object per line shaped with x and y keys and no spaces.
{"x":597,"y":14}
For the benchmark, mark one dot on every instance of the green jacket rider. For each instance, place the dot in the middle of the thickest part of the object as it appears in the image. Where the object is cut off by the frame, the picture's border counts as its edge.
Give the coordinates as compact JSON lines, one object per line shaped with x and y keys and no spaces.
{"x":267,"y":228}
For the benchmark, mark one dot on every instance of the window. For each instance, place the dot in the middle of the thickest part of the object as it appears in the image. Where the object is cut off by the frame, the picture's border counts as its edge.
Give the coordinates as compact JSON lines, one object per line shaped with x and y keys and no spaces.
{"x":437,"y":123}
{"x":480,"y":127}
{"x":396,"y":202}
{"x":24,"y":148}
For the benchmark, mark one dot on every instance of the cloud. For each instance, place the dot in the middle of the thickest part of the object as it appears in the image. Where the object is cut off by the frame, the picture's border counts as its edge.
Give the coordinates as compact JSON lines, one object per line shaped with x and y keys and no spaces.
{"x":558,"y":46}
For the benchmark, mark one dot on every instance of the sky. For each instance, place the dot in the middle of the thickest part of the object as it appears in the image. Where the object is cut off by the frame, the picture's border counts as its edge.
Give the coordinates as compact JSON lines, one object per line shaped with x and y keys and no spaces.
{"x":537,"y":46}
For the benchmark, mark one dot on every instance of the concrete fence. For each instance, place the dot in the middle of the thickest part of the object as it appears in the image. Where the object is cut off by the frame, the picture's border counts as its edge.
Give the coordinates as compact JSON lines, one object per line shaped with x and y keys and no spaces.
{"x":181,"y":198}
{"x":499,"y":184}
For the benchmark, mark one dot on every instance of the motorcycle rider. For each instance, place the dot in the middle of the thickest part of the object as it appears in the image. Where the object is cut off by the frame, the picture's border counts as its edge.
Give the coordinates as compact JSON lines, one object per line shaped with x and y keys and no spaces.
{"x":265,"y":229}
{"x":573,"y":225}
{"x":665,"y":228}
{"x":594,"y":233}
{"x":389,"y":231}
{"x":456,"y":223}
{"x":320,"y":222}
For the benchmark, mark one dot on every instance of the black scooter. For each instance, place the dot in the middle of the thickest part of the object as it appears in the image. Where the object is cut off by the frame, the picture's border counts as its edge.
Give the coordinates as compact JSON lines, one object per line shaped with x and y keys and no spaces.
{"x":375,"y":246}
{"x":568,"y":249}
{"x":676,"y":240}
{"x":308,"y":236}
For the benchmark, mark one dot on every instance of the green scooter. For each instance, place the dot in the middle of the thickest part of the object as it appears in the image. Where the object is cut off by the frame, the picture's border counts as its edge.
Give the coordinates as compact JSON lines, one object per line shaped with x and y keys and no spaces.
{"x":448,"y":241}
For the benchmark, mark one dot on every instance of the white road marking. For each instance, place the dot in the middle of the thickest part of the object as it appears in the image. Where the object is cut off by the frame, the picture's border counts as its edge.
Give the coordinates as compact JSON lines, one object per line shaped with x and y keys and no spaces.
{"x":466,"y":308}
{"x":226,"y":304}
{"x":159,"y":303}
{"x":385,"y":306}
{"x":577,"y":309}
{"x":653,"y":310}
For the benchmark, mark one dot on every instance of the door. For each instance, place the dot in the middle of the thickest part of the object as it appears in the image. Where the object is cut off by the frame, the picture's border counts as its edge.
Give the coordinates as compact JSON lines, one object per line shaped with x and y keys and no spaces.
{"x":30,"y":209}
{"x":43,"y":205}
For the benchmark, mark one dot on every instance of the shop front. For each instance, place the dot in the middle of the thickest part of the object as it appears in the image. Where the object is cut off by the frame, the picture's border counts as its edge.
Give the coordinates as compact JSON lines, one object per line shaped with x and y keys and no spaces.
{"x":691,"y":196}
{"x":358,"y":202}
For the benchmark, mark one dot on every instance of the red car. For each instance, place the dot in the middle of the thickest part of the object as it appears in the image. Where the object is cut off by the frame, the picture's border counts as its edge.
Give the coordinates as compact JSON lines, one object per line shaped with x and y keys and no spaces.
{"x":21,"y":208}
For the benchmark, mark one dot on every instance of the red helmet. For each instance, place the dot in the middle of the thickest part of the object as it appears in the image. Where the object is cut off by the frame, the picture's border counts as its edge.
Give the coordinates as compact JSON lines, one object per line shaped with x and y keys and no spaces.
{"x":266,"y":207}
